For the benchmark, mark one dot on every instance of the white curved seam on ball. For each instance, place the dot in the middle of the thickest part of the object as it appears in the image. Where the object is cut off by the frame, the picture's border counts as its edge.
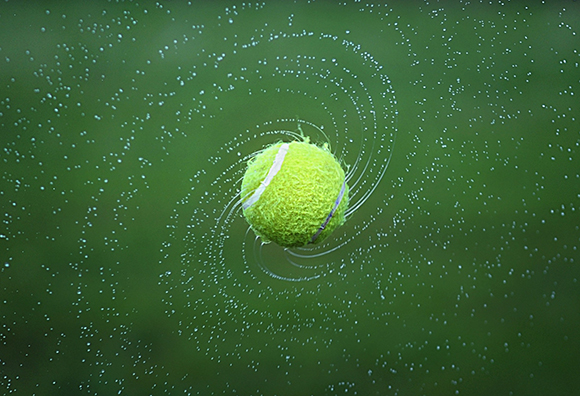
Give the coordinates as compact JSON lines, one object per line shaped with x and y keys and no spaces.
{"x":336,"y":203}
{"x":276,"y":165}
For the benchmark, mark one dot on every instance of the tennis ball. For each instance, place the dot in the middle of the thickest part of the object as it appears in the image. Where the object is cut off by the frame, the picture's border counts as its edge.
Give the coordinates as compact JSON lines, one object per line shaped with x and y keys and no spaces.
{"x":294,"y":194}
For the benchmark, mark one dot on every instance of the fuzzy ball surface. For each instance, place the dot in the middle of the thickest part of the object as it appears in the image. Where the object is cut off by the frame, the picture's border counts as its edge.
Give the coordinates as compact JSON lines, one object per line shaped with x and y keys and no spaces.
{"x":294,"y":194}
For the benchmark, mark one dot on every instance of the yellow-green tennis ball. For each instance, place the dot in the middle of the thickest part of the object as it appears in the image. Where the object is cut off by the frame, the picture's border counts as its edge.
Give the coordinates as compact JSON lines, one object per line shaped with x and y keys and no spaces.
{"x":294,"y":194}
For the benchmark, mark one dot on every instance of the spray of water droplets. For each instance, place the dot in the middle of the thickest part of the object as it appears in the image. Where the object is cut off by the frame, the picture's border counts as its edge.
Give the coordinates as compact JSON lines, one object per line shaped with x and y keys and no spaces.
{"x":299,"y":81}
{"x":126,"y":130}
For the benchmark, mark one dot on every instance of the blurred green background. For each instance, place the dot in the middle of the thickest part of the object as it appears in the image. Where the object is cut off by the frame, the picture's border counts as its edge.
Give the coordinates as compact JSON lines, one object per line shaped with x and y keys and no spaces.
{"x":126,"y":269}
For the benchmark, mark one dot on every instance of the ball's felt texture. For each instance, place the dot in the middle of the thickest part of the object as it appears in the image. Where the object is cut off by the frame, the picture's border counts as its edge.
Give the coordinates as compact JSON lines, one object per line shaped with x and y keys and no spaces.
{"x":294,"y":194}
